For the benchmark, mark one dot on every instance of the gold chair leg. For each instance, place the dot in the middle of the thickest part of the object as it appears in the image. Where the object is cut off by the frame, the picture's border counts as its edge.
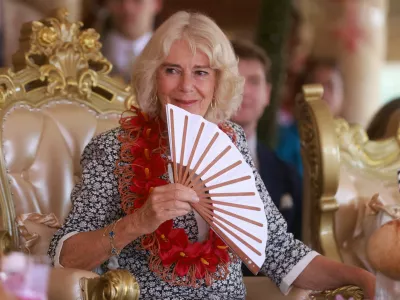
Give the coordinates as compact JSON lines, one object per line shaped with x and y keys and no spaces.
{"x":113,"y":285}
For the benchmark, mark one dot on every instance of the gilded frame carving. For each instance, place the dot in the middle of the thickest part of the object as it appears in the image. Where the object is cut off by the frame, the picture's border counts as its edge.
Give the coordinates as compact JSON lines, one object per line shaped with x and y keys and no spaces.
{"x":321,"y":159}
{"x":56,"y":60}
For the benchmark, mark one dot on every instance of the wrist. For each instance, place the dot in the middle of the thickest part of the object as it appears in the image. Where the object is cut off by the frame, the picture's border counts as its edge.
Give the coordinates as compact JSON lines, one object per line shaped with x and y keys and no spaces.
{"x":131,"y":227}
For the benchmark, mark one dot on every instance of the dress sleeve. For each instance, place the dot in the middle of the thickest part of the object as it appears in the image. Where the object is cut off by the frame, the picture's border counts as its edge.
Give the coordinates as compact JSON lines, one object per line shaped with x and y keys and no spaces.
{"x":95,"y":198}
{"x":286,"y":257}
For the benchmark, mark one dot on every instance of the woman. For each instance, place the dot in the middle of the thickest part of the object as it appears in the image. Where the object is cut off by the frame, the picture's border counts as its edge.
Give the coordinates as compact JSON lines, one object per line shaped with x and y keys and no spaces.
{"x":385,"y":123}
{"x":124,"y":205}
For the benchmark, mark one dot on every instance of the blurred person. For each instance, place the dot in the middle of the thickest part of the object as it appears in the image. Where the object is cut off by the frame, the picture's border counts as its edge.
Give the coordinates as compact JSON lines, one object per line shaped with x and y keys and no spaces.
{"x":128,"y":31}
{"x":284,"y":184}
{"x":385,"y":123}
{"x":298,"y":48}
{"x":24,"y":277}
{"x":326,"y":73}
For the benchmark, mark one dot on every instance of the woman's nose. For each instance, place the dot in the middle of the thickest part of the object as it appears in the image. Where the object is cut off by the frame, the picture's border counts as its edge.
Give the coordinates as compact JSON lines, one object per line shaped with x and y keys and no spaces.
{"x":186,"y":83}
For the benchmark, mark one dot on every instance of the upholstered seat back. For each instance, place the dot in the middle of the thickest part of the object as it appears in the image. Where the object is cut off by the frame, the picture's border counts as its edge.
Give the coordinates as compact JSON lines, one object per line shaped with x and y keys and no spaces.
{"x":54,"y":100}
{"x":343,"y":170}
{"x":42,"y":148}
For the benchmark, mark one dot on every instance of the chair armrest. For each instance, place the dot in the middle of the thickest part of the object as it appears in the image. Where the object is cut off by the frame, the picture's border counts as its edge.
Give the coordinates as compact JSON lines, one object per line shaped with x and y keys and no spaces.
{"x":65,"y":283}
{"x":262,"y":288}
{"x":113,"y":285}
{"x":347,"y":292}
{"x":71,"y":284}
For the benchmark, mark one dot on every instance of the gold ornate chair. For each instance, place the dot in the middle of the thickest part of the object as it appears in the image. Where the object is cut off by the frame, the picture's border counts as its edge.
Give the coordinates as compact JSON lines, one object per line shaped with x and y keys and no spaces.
{"x":343,"y":169}
{"x":53,"y":100}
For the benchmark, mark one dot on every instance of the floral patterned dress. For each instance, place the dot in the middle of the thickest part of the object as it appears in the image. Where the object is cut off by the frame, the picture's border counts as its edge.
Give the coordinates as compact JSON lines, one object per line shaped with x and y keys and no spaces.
{"x":96,"y":204}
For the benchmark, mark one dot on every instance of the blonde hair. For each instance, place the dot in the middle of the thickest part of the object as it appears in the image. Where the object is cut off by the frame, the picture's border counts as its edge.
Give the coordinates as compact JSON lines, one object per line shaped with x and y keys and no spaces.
{"x":201,"y":33}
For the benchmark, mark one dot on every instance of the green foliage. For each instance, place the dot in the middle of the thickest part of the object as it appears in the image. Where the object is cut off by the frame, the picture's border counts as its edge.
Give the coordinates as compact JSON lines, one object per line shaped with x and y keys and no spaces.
{"x":273,"y":31}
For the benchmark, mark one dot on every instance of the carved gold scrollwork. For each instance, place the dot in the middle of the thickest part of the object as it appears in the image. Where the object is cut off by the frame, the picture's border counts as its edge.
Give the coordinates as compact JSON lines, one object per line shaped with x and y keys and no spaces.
{"x":113,"y":285}
{"x":320,"y":155}
{"x":6,"y":244}
{"x":347,"y":292}
{"x":65,"y":56}
{"x":7,"y":88}
{"x":309,"y":141}
{"x":56,"y":79}
{"x":87,"y":80}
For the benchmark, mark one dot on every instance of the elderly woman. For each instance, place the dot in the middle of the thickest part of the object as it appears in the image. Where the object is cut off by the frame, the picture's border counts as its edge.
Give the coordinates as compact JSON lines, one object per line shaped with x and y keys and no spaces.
{"x":127,"y":214}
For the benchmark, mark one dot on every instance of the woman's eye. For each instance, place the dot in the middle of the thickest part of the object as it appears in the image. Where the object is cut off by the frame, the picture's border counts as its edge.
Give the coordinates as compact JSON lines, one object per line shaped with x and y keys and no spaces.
{"x":171,"y":71}
{"x":201,"y":73}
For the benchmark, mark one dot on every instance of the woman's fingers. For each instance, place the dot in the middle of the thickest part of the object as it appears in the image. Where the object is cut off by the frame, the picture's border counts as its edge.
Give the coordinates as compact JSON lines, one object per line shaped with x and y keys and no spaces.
{"x":174,"y":192}
{"x":175,"y":205}
{"x":172,"y":214}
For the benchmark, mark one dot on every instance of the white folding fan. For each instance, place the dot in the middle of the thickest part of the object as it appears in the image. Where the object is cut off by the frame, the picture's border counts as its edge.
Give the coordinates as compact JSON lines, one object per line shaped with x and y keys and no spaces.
{"x":205,"y":159}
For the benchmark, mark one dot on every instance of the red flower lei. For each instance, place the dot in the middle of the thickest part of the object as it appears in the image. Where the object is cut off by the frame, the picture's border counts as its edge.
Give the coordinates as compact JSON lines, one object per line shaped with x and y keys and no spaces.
{"x":142,"y":163}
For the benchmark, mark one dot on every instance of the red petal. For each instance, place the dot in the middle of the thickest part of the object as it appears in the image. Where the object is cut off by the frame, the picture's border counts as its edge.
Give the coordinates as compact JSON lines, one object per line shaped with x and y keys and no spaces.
{"x":138,"y":186}
{"x":212,"y":260}
{"x":165,"y":228}
{"x":170,"y":256}
{"x":165,"y":243}
{"x":137,"y":150}
{"x":156,"y":182}
{"x":158,"y":166}
{"x":138,"y":203}
{"x":179,"y":237}
{"x":137,"y":121}
{"x":182,"y":268}
{"x":223,"y":255}
{"x":194,"y":250}
{"x":200,"y":270}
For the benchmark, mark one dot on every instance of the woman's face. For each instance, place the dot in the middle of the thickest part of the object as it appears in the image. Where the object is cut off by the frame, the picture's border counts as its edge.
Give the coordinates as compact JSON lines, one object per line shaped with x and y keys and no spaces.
{"x":186,"y":79}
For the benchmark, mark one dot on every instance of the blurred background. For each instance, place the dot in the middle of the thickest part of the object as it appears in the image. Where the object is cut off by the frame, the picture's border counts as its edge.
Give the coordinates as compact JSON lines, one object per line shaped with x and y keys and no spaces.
{"x":358,"y":39}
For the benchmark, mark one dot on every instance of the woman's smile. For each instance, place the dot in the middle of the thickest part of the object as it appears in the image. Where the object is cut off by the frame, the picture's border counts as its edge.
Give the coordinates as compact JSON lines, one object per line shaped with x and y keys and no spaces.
{"x":184,"y":103}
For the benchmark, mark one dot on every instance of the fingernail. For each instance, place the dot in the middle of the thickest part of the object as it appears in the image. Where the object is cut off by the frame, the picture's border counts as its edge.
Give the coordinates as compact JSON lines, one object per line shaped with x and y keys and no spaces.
{"x":196,"y":199}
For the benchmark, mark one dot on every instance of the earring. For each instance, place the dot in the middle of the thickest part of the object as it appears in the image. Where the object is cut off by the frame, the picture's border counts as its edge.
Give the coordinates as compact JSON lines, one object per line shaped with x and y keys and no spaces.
{"x":213,"y":103}
{"x":154,"y":99}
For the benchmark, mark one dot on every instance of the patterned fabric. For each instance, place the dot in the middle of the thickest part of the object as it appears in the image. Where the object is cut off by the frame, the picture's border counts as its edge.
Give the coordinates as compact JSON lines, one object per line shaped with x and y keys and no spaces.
{"x":96,"y":203}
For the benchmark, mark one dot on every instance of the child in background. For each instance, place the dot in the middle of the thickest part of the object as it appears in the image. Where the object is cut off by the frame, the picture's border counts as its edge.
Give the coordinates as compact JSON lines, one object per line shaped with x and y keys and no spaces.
{"x":23,"y":277}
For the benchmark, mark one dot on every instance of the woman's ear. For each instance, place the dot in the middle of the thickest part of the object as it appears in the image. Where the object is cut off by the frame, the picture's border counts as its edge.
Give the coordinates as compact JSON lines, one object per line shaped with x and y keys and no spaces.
{"x":268,"y":88}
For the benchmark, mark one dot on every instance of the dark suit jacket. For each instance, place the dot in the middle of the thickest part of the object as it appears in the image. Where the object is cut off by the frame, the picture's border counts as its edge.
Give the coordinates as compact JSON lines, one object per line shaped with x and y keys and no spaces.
{"x":281,"y":180}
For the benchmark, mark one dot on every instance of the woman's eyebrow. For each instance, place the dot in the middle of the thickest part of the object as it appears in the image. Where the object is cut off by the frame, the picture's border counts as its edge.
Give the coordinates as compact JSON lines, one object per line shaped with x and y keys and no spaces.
{"x":167,"y":64}
{"x":201,"y":67}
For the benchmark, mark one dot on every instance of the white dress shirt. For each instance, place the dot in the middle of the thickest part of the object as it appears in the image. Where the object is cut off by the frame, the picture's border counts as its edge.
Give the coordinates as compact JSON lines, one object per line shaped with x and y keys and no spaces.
{"x":122,"y":52}
{"x":252,"y":144}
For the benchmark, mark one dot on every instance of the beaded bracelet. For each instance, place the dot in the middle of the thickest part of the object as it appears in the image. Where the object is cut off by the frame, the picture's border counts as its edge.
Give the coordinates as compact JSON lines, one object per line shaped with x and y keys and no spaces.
{"x":111,"y":236}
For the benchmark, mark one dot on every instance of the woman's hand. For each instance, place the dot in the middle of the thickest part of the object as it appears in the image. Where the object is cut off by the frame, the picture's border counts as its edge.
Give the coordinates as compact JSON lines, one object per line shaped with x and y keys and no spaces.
{"x":323,"y":274}
{"x":367,"y":283}
{"x":164,"y":203}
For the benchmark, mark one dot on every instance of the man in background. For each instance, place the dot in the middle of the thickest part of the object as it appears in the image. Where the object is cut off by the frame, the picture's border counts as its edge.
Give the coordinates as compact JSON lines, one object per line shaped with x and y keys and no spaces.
{"x":282,"y":181}
{"x":127,"y":31}
{"x":325,"y":72}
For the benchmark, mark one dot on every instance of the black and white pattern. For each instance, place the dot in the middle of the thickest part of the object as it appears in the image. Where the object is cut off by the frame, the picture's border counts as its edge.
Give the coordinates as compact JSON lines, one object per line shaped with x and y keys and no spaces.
{"x":96,"y":203}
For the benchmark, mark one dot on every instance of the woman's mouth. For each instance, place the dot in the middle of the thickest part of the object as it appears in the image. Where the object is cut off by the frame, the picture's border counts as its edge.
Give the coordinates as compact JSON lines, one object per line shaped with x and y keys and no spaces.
{"x":185,"y":103}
